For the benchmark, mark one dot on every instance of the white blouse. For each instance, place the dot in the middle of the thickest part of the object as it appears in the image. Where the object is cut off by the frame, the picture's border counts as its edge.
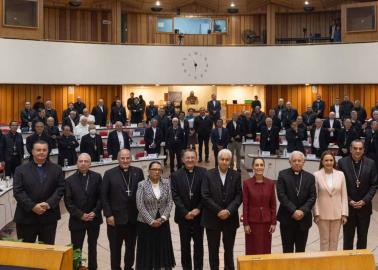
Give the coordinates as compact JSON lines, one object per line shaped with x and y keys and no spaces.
{"x":156,"y":190}
{"x":329,"y":180}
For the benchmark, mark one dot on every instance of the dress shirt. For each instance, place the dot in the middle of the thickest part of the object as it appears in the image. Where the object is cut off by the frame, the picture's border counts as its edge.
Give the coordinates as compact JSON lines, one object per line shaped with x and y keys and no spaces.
{"x":81,"y":130}
{"x":120,"y":139}
{"x":331,"y":121}
{"x":156,"y":190}
{"x":223,"y":176}
{"x":316,"y":143}
{"x":337,"y":111}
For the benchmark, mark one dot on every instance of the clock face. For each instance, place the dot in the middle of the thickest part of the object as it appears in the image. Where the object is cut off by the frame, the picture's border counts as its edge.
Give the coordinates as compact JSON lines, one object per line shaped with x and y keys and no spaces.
{"x":195,"y":65}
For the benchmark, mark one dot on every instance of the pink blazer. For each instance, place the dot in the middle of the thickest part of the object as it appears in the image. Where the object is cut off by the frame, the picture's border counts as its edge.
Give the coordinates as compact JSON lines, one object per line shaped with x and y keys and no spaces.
{"x":330,"y":204}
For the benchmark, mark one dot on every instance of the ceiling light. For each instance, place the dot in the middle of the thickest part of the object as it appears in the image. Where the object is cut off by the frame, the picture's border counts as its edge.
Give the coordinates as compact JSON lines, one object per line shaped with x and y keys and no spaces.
{"x":307,"y":84}
{"x":157,"y":3}
{"x":306,"y":3}
{"x":232,"y":4}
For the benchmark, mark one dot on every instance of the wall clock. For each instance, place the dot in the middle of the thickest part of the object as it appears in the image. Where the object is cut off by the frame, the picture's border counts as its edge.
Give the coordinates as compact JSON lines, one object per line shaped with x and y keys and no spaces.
{"x":195,"y":65}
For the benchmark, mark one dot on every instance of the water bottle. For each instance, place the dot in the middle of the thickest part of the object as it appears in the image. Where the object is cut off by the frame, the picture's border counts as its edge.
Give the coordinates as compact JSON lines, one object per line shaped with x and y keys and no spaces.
{"x":285,"y":152}
{"x":259,"y":152}
{"x":65,"y":162}
{"x":101,"y":158}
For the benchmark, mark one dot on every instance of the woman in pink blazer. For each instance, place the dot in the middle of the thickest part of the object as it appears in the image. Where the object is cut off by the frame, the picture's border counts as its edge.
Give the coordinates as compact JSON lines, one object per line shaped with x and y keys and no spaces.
{"x":331,"y":207}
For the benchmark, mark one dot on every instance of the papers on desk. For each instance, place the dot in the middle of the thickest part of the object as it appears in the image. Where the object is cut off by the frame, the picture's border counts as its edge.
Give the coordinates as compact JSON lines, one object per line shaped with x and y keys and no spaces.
{"x":265,"y":153}
{"x":133,"y":125}
{"x":136,"y":133}
{"x":311,"y":157}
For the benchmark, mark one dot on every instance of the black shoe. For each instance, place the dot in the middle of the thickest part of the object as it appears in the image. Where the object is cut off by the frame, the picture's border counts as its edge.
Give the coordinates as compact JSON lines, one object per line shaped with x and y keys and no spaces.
{"x":207,"y":161}
{"x":200,"y":160}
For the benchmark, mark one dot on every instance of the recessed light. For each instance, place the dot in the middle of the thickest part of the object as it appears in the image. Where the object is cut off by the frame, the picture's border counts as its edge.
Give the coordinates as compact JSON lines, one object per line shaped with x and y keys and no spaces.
{"x":157,"y":3}
{"x":307,"y":84}
{"x":306,"y":3}
{"x":232,"y":4}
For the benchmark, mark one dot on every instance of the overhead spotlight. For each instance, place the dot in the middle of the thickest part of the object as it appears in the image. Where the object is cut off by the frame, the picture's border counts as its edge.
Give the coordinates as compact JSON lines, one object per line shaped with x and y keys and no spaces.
{"x":157,"y":7}
{"x":307,"y":84}
{"x":232,"y":4}
{"x":157,"y":3}
{"x":75,"y":3}
{"x":232,"y":9}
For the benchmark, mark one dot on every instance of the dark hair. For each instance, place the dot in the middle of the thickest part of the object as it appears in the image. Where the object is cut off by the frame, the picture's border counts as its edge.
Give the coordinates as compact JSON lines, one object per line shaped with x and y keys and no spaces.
{"x":326,"y":153}
{"x":39,"y":122}
{"x":66,"y":126}
{"x":357,"y":141}
{"x":41,"y":142}
{"x":13,"y":121}
{"x":187,"y":150}
{"x":155,"y":162}
{"x":256,"y":159}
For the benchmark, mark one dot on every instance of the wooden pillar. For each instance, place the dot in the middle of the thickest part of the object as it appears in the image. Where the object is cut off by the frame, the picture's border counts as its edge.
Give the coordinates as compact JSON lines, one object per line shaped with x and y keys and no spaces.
{"x":271,"y":24}
{"x":116,"y":22}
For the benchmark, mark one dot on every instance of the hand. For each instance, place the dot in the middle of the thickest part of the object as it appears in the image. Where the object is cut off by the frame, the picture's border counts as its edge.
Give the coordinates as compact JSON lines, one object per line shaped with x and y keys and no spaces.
{"x":92,"y":215}
{"x":298,"y":215}
{"x":85,"y":217}
{"x":156,"y":223}
{"x":153,"y":145}
{"x":360,"y":203}
{"x":39,"y":209}
{"x":316,"y":219}
{"x":247,"y":229}
{"x":189,"y":216}
{"x":195,"y":212}
{"x":223,"y":214}
{"x":45,"y":205}
{"x":110,"y":221}
{"x":272,"y":228}
{"x":241,"y":218}
{"x":344,"y":220}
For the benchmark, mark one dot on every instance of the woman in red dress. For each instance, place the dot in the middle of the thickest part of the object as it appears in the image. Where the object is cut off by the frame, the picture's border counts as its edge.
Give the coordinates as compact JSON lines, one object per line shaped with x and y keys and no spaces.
{"x":259,"y":210}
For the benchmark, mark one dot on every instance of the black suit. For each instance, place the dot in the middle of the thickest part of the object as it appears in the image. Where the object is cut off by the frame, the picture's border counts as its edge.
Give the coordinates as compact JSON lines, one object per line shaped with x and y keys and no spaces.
{"x":136,"y":113}
{"x":333,"y":109}
{"x":116,"y":202}
{"x":114,"y":145}
{"x":92,"y":146}
{"x":12,"y":151}
{"x":318,"y":107}
{"x":118,"y":114}
{"x":323,"y":141}
{"x":309,"y":118}
{"x":67,"y":150}
{"x":336,"y":125}
{"x":185,"y":127}
{"x":34,"y":138}
{"x":361,"y":114}
{"x":259,"y":119}
{"x":203,"y":126}
{"x":83,"y":196}
{"x":79,"y":107}
{"x":345,"y":109}
{"x":149,"y":140}
{"x":295,"y":140}
{"x":67,"y":122}
{"x":371,"y":146}
{"x":295,"y":192}
{"x":270,"y":139}
{"x":52,"y":113}
{"x":344,"y":139}
{"x":288,"y":116}
{"x":100,"y":115}
{"x":219,"y":141}
{"x":358,"y":218}
{"x":26,"y":117}
{"x":217,"y":196}
{"x":53,"y":131}
{"x":31,"y":186}
{"x":214,"y":110}
{"x":250,"y":128}
{"x":151,"y":112}
{"x":186,"y":193}
{"x":175,"y":143}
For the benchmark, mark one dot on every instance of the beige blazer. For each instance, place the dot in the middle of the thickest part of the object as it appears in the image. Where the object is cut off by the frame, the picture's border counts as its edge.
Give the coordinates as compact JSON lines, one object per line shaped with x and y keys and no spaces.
{"x":330,"y":204}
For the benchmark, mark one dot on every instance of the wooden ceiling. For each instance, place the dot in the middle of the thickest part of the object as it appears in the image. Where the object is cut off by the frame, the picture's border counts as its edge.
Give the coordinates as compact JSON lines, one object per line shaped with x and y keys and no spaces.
{"x":205,"y":6}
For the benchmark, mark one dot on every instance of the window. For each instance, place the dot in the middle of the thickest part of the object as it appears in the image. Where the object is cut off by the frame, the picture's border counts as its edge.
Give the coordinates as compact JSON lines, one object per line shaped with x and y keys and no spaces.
{"x":21,"y":13}
{"x":361,"y":19}
{"x":220,"y":26}
{"x":193,"y":25}
{"x":164,"y":25}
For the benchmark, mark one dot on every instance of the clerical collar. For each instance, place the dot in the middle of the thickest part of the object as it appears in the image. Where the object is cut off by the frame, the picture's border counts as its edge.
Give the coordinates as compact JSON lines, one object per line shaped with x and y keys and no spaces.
{"x":40,"y":165}
{"x":83,"y":174}
{"x":189,"y":171}
{"x":295,"y":172}
{"x":124,"y":170}
{"x":356,"y":161}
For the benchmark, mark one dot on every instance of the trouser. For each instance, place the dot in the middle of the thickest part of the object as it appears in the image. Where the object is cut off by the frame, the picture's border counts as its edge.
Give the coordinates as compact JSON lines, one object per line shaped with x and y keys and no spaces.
{"x":77,"y":239}
{"x":117,"y":235}
{"x":317,"y":152}
{"x":235,"y":148}
{"x":10,"y":165}
{"x":172,"y":154}
{"x":329,"y":231}
{"x":201,"y":141}
{"x":293,"y":236}
{"x":349,"y":229}
{"x":30,"y":232}
{"x":228,"y":238}
{"x":191,"y":230}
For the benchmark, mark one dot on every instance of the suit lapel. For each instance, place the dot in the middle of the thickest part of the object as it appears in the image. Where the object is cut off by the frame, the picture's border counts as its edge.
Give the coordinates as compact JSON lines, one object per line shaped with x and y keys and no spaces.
{"x":324,"y":182}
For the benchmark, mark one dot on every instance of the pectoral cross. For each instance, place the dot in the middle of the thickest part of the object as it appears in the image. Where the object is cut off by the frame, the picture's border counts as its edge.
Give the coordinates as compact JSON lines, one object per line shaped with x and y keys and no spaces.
{"x":128,"y":191}
{"x":358,"y":183}
{"x":190,"y":195}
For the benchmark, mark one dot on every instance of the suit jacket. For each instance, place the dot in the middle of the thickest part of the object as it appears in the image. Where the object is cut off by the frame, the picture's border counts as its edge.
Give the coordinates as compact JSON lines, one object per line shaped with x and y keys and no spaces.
{"x":336,"y":125}
{"x":67,"y":122}
{"x":185,"y":128}
{"x":236,"y":134}
{"x":118,"y":114}
{"x":368,"y":184}
{"x":250,"y":128}
{"x":345,"y":108}
{"x":151,"y":112}
{"x":163,"y":123}
{"x":295,"y":140}
{"x":92,"y":146}
{"x":309,"y":118}
{"x":29,"y":189}
{"x":79,"y":107}
{"x":214,"y":111}
{"x":216,"y":197}
{"x":361,"y":113}
{"x":259,"y":118}
{"x":331,"y":203}
{"x":323,"y":138}
{"x":34,"y":138}
{"x":83,"y":195}
{"x":100,"y":115}
{"x":223,"y":140}
{"x":290,"y":202}
{"x":318,"y":107}
{"x":52,"y":113}
{"x":67,"y":150}
{"x":147,"y":203}
{"x":181,"y":193}
{"x":259,"y":202}
{"x":149,"y":138}
{"x":9,"y":141}
{"x":371,"y":144}
{"x":179,"y":142}
{"x":203,"y":126}
{"x":288,"y":116}
{"x":344,"y":140}
{"x":114,"y":145}
{"x":270,"y":140}
{"x":115,"y":201}
{"x":26,"y":117}
{"x":333,"y":109}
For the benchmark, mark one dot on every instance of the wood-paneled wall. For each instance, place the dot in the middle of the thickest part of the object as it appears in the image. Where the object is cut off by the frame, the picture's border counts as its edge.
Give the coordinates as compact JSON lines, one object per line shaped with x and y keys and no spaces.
{"x":77,"y":24}
{"x":13,"y":97}
{"x":301,"y":95}
{"x":290,"y":25}
{"x":141,"y":29}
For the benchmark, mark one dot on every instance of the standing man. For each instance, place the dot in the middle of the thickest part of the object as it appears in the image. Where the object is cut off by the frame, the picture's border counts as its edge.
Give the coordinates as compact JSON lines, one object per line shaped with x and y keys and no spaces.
{"x":219,"y":138}
{"x":361,"y":181}
{"x":345,"y":108}
{"x":319,"y":138}
{"x":221,"y":198}
{"x":333,"y":126}
{"x":38,"y":135}
{"x":256,"y":102}
{"x":186,"y":193}
{"x":118,"y":113}
{"x":13,"y":146}
{"x":153,"y":137}
{"x":295,"y":137}
{"x":236,"y":130}
{"x":297,"y":195}
{"x":270,"y":139}
{"x":118,"y":195}
{"x":92,"y":144}
{"x":130,"y":102}
{"x":50,"y":112}
{"x":175,"y":142}
{"x":38,"y":187}
{"x":345,"y":138}
{"x":27,"y":116}
{"x":288,"y":115}
{"x":83,"y":201}
{"x":67,"y":145}
{"x":336,"y":108}
{"x":117,"y":140}
{"x":318,"y":106}
{"x":100,"y":113}
{"x":79,"y":106}
{"x":203,"y":125}
{"x":214,"y":108}
{"x":151,"y":111}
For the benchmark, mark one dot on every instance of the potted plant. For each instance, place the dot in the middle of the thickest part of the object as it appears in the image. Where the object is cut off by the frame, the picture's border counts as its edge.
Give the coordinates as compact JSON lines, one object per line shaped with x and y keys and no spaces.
{"x":78,"y":260}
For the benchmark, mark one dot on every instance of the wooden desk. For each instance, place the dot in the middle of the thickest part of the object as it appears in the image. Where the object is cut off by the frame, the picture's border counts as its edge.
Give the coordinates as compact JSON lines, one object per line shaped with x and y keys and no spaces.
{"x":330,"y":260}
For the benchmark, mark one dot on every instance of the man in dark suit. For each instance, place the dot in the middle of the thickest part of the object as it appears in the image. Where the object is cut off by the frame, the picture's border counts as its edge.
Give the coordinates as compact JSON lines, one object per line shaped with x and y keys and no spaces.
{"x":214,"y":108}
{"x":38,"y":104}
{"x":118,"y":113}
{"x":169,"y":110}
{"x":336,"y":108}
{"x":318,"y":106}
{"x":345,"y":138}
{"x":259,"y":117}
{"x":236,"y":130}
{"x":27,"y":116}
{"x":13,"y":149}
{"x":184,"y":124}
{"x":100,"y":113}
{"x":295,"y":137}
{"x":279,"y":109}
{"x":288,"y":115}
{"x":256,"y":102}
{"x":219,"y":138}
{"x":117,"y":140}
{"x":361,"y":112}
{"x":361,"y":181}
{"x":186,"y":193}
{"x":118,"y":196}
{"x":153,"y":136}
{"x":130,"y":102}
{"x":371,"y":142}
{"x":38,"y":187}
{"x":297,"y":195}
{"x":151,"y":111}
{"x":319,"y":138}
{"x":250,"y":127}
{"x":269,"y":139}
{"x":82,"y":198}
{"x":67,"y":111}
{"x":79,"y":106}
{"x":92,"y":144}
{"x":175,"y":143}
{"x":333,"y":126}
{"x":50,"y":112}
{"x":38,"y":135}
{"x":203,"y":125}
{"x":309,"y":117}
{"x":221,"y":198}
{"x":72,"y":120}
{"x":40,"y":117}
{"x":346,"y":107}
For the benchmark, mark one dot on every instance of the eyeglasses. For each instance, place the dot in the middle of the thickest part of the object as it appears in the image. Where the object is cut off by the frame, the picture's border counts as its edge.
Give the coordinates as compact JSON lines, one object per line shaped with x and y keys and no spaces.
{"x":156,"y":170}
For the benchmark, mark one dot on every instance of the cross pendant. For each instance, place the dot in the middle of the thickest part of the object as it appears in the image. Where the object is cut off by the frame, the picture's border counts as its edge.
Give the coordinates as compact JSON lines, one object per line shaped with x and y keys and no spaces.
{"x":128,"y":191}
{"x":358,"y":183}
{"x":191,"y":195}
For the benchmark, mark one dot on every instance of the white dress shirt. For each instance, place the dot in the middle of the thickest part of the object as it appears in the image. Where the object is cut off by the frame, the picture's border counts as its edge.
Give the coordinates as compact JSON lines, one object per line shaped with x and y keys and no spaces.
{"x":331,"y":121}
{"x":337,"y":111}
{"x":223,"y":177}
{"x":90,"y":118}
{"x":329,"y":179}
{"x":81,"y":130}
{"x":120,"y":139}
{"x":316,"y":143}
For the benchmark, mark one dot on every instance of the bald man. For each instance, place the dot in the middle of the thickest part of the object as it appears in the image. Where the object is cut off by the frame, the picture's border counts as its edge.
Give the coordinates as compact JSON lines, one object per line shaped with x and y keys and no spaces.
{"x":83,"y":201}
